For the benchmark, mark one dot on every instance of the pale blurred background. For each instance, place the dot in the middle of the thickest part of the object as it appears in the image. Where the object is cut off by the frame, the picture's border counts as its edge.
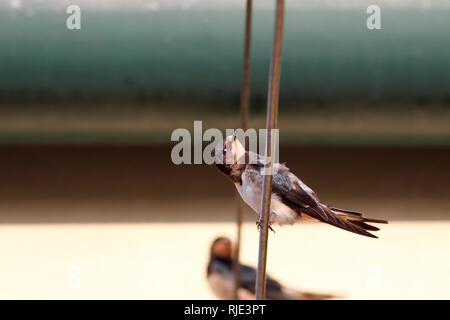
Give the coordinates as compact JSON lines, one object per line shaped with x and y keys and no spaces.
{"x":92,"y":207}
{"x":123,"y":222}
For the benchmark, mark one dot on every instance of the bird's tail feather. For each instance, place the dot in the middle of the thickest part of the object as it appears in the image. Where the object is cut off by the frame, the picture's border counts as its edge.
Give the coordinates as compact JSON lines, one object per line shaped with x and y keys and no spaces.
{"x":355,"y":215}
{"x":357,"y":219}
{"x":337,"y":220}
{"x":365,"y":226}
{"x":375,"y":220}
{"x":317,"y":296}
{"x":291,"y":294}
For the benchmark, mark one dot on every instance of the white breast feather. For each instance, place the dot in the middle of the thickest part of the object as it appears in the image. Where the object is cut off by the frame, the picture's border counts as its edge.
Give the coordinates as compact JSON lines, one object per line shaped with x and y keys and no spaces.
{"x":280,"y":213}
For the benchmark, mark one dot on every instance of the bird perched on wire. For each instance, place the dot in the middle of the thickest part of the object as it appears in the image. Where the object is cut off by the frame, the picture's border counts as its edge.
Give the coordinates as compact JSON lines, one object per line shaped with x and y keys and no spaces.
{"x":291,"y":200}
{"x":221,"y":278}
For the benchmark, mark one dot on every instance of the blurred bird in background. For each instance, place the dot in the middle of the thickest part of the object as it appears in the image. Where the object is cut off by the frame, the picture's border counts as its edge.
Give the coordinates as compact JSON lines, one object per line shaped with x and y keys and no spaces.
{"x":221,"y":278}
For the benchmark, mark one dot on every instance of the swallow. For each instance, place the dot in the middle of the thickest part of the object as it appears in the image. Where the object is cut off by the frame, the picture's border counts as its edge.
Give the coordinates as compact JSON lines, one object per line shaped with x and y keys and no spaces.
{"x":292,"y":200}
{"x":220,"y":277}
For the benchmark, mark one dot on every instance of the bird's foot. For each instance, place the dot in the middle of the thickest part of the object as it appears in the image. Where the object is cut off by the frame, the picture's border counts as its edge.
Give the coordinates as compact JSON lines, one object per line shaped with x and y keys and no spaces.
{"x":259,"y":223}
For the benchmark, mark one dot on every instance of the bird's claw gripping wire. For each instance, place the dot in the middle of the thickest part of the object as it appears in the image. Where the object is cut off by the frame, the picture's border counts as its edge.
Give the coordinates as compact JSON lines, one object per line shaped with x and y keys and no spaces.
{"x":259,"y":223}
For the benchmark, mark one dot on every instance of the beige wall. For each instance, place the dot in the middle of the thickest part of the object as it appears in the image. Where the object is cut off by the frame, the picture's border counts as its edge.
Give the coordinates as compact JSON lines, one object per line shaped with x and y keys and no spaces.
{"x":168,"y":260}
{"x":137,"y":226}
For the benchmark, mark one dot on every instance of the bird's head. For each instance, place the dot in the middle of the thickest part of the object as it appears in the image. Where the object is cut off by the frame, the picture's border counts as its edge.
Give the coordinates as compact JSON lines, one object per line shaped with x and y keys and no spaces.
{"x":221,"y":248}
{"x":229,"y":157}
{"x":229,"y":151}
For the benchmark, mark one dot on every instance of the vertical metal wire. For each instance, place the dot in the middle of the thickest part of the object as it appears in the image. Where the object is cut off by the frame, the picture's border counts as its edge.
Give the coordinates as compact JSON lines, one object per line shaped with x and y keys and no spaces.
{"x":237,"y":262}
{"x":245,"y":106}
{"x":245,"y":95}
{"x":271,"y":123}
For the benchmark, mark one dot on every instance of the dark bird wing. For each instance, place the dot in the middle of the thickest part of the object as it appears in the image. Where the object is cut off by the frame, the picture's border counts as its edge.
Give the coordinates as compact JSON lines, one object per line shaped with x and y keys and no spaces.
{"x":224,"y":268}
{"x":274,"y":290}
{"x":300,"y":198}
{"x":220,"y":278}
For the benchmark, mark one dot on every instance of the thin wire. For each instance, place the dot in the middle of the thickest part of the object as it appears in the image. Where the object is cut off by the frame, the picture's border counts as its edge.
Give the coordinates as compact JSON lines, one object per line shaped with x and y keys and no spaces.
{"x":245,"y":106}
{"x":271,"y":123}
{"x":245,"y":96}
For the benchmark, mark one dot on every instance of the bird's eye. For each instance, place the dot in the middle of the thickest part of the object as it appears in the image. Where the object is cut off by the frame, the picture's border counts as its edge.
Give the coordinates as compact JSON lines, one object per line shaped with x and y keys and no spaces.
{"x":224,"y":150}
